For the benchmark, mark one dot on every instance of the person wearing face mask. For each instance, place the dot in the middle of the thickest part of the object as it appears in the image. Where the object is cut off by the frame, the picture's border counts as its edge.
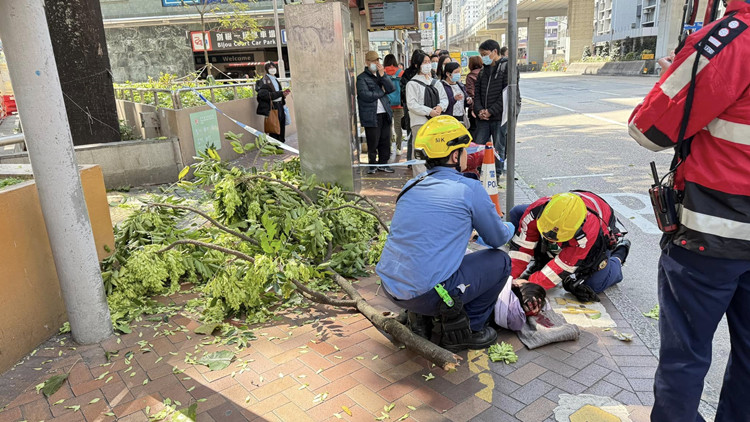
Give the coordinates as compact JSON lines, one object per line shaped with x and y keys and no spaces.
{"x":488,"y":99}
{"x":375,"y":114}
{"x":455,"y":91}
{"x":271,"y":97}
{"x":425,"y":99}
{"x":424,"y":267}
{"x":434,"y":59}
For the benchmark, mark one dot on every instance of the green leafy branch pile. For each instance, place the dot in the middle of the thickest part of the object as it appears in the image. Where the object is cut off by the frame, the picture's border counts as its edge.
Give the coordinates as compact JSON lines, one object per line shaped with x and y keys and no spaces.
{"x":273,"y":235}
{"x":502,"y":352}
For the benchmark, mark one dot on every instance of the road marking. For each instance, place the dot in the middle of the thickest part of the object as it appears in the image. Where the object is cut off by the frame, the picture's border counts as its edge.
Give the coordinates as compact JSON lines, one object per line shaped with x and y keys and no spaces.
{"x":578,"y":176}
{"x":603,"y":119}
{"x":604,"y":92}
{"x":636,"y":216}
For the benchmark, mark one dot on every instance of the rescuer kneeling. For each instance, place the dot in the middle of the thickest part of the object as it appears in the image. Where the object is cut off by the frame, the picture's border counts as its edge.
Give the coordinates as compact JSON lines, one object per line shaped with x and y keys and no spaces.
{"x":424,"y":266}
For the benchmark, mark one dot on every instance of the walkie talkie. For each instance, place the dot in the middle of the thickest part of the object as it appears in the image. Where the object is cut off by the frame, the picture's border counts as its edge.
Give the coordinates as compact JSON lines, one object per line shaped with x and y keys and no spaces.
{"x":664,"y":204}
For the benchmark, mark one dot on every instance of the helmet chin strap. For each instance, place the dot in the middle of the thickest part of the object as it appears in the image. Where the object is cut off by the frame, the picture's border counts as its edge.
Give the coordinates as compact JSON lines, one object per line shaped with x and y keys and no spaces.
{"x":458,"y":160}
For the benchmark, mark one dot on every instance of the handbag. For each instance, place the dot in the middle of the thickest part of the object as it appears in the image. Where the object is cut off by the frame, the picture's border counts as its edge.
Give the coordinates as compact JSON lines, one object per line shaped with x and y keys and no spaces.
{"x":271,"y":124}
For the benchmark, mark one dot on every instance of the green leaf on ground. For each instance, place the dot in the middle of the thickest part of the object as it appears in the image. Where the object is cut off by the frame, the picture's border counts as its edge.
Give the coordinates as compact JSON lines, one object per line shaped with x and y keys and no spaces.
{"x":429,"y":377}
{"x":186,"y":415}
{"x":53,"y":384}
{"x":653,"y":313}
{"x":207,"y":329}
{"x":73,"y":408}
{"x":502,"y":352}
{"x":622,"y":336}
{"x":217,"y":361}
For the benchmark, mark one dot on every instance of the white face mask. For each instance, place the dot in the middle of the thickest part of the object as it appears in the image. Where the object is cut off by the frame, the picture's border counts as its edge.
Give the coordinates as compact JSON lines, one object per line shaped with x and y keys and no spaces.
{"x":426,"y":69}
{"x":272,"y":71}
{"x":373,"y":67}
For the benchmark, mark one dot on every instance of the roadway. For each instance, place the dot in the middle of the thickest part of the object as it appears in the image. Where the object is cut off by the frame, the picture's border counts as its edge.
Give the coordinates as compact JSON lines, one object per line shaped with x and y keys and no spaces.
{"x":572,"y":134}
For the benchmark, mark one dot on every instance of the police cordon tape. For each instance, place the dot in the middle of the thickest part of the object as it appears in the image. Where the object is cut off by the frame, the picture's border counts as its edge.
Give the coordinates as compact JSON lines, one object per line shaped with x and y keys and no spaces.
{"x":255,"y":132}
{"x":284,"y":146}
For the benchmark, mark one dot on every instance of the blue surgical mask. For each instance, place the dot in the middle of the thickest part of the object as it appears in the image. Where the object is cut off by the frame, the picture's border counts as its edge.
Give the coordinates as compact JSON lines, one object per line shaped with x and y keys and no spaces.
{"x":434,"y":65}
{"x":373,"y":67}
{"x":456,"y":77}
{"x":486,"y":60}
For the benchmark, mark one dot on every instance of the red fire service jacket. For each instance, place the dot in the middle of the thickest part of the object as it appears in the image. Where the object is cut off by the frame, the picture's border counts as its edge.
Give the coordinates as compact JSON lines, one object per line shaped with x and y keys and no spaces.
{"x":715,"y":177}
{"x":564,"y":258}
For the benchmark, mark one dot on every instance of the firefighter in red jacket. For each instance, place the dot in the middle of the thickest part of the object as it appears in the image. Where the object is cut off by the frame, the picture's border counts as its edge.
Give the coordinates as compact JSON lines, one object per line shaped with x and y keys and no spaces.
{"x":704,"y":270}
{"x":569,"y":238}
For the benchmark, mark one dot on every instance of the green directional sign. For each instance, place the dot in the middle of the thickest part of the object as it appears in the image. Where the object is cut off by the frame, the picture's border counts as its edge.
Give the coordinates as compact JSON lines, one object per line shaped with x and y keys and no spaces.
{"x":205,"y":126}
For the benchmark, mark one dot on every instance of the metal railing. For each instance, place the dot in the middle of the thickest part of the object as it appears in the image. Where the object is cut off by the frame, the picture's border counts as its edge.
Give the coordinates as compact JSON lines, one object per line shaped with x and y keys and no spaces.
{"x":140,"y":94}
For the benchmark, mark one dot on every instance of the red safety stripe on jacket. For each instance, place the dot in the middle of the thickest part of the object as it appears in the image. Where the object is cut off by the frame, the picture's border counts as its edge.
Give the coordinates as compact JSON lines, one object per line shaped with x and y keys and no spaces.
{"x":720,"y":150}
{"x":572,"y":253}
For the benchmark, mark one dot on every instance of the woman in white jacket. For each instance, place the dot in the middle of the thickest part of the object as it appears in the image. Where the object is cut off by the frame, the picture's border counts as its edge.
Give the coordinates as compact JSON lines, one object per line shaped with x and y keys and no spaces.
{"x":419,"y":112}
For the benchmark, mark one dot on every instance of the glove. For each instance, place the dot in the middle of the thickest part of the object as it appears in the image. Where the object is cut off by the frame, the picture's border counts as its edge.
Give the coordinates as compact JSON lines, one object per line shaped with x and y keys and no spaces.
{"x":581,"y":291}
{"x":510,"y":227}
{"x":454,"y":323}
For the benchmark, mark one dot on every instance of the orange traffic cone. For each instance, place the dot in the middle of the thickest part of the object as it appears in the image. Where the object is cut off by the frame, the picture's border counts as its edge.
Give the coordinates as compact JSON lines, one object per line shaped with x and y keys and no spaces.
{"x":489,"y":176}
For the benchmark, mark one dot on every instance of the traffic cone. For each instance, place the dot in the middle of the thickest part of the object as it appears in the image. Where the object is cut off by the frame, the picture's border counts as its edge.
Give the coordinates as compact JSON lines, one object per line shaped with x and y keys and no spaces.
{"x":489,"y":176}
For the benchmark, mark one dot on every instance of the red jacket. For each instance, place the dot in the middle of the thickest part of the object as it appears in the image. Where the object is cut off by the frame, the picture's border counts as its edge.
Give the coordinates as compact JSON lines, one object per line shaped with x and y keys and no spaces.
{"x":571,"y":255}
{"x":715,"y":177}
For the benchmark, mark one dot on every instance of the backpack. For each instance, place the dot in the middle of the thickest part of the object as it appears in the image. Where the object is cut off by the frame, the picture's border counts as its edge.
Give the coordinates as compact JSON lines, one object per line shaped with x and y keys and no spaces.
{"x":431,"y":94}
{"x":395,"y":96}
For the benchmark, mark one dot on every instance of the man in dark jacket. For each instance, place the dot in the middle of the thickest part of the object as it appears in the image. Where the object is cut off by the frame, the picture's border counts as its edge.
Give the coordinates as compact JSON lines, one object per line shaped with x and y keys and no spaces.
{"x":488,"y":99}
{"x":375,"y":113}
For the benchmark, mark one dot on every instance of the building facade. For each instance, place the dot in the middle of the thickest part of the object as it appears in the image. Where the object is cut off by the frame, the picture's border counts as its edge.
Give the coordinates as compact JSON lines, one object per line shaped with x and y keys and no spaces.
{"x":632,"y":22}
{"x":148,"y":37}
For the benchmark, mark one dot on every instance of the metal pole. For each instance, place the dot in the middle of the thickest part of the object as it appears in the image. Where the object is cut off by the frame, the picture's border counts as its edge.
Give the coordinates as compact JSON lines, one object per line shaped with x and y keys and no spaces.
{"x":510,"y":141}
{"x":282,"y":69}
{"x":33,"y":70}
{"x":435,"y":22}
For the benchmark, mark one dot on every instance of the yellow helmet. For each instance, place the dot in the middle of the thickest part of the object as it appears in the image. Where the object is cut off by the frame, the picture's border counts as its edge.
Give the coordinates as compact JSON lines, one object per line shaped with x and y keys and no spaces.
{"x":439,"y":137}
{"x":562,"y":217}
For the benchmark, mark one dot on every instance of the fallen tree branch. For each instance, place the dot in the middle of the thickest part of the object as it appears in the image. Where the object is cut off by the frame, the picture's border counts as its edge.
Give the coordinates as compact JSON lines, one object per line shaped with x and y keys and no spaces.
{"x":321,"y":298}
{"x":430,"y":351}
{"x":208,"y":246}
{"x":374,"y":214}
{"x":299,"y":192}
{"x":423,"y":347}
{"x":358,"y":195}
{"x":210,"y":219}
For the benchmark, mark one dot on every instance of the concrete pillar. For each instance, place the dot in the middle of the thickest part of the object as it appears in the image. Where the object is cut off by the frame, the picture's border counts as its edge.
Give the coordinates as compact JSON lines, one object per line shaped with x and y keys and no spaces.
{"x":361,"y":37}
{"x":580,"y":28}
{"x":32,"y":66}
{"x":536,"y":33}
{"x":670,"y":24}
{"x":328,"y":145}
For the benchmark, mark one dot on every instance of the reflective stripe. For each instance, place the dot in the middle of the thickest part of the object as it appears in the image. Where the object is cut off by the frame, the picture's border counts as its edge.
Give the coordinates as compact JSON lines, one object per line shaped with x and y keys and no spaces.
{"x":551,"y":275}
{"x":730,"y":131}
{"x":519,"y":256}
{"x":596,"y":204}
{"x":680,"y":78}
{"x":567,"y":268}
{"x":523,"y":243}
{"x":716,"y":226}
{"x":643,"y":140}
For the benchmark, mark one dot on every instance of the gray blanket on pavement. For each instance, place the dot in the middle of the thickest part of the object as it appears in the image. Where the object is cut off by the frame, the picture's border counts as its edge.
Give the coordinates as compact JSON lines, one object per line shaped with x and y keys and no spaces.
{"x":545,"y":328}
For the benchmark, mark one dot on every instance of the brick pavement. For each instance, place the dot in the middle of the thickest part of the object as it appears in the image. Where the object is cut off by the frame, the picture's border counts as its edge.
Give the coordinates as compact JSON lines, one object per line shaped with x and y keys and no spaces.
{"x":322,"y":365}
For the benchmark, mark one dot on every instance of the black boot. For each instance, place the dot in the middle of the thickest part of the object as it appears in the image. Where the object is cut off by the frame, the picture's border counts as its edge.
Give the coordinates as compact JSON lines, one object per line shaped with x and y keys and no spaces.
{"x":621,"y":250}
{"x":419,"y":324}
{"x":474,"y":340}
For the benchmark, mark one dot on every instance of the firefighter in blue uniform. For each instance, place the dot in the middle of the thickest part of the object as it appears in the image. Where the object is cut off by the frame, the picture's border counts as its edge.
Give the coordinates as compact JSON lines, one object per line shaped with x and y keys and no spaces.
{"x":704,"y":270}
